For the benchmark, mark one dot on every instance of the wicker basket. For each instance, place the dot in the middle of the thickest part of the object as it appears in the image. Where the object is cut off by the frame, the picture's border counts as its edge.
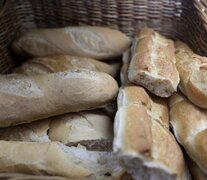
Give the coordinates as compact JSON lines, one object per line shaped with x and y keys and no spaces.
{"x":183,"y":19}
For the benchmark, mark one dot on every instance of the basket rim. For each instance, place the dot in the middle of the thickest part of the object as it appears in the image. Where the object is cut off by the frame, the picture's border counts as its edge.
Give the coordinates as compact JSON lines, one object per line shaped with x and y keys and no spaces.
{"x":6,"y":4}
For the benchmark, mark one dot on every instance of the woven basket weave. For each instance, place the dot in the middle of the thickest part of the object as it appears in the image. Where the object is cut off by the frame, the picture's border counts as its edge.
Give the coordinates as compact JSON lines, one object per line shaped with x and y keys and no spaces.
{"x":183,"y":19}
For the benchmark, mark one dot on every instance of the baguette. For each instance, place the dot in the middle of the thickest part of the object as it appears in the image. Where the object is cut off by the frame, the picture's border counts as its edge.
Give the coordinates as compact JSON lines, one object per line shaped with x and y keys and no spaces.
{"x":193,"y":73}
{"x":25,"y":99}
{"x":153,"y":63}
{"x":92,"y":129}
{"x":142,"y":140}
{"x":87,"y":41}
{"x":189,"y":125}
{"x":58,"y":63}
{"x":53,"y":158}
{"x":18,"y":176}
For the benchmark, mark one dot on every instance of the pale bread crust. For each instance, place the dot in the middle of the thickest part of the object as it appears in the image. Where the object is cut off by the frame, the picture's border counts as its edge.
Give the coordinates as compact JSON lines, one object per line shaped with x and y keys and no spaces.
{"x":59,"y":63}
{"x":82,"y":126}
{"x":29,"y":98}
{"x":193,"y":74}
{"x":153,"y":63}
{"x":86,"y":41}
{"x":53,"y":158}
{"x":142,"y":140}
{"x":88,"y":128}
{"x":189,"y":124}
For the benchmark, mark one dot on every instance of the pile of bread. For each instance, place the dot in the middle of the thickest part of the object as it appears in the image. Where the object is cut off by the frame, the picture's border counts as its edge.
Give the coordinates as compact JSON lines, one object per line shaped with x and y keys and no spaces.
{"x":58,"y":113}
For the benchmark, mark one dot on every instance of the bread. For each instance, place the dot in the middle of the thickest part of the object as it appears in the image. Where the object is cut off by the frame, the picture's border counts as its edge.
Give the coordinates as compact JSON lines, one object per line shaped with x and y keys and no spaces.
{"x":124,"y":69}
{"x":17,"y":176}
{"x":153,"y":63}
{"x":92,"y":129}
{"x":25,"y":99}
{"x":193,"y":72}
{"x":142,"y":141}
{"x":196,"y":172}
{"x":58,"y":63}
{"x":75,"y":128}
{"x":189,"y":124}
{"x":52,"y":158}
{"x":36,"y":131}
{"x":87,"y":41}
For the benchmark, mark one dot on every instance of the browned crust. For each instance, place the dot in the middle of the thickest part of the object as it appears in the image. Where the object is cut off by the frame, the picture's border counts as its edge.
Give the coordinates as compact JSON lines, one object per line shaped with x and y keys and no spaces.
{"x":193,"y":71}
{"x":137,"y":136}
{"x":189,"y":126}
{"x":153,"y":56}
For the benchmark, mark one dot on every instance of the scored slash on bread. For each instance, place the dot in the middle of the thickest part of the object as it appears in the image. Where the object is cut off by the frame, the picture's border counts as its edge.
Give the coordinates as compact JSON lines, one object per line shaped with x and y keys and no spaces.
{"x":30,"y":98}
{"x":142,"y":140}
{"x":59,"y":63}
{"x":193,"y":74}
{"x":153,"y":63}
{"x":189,"y":124}
{"x":87,"y":41}
{"x":92,"y":129}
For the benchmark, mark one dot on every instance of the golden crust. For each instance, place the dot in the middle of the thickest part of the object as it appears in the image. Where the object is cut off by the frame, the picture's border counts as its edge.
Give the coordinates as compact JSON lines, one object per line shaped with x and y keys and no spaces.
{"x":137,"y":136}
{"x":142,"y":132}
{"x":189,"y":124}
{"x":153,"y":63}
{"x":193,"y":74}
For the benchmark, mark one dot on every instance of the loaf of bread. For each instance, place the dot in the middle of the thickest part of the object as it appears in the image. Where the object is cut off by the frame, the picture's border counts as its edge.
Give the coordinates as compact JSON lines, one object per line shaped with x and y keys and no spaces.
{"x":142,"y":140}
{"x":92,"y":129}
{"x":189,"y":124}
{"x":59,"y":63}
{"x":193,"y":74}
{"x":80,"y":127}
{"x":36,"y":131}
{"x":53,"y":158}
{"x":153,"y":63}
{"x":18,"y":176}
{"x":87,"y":41}
{"x":29,"y":98}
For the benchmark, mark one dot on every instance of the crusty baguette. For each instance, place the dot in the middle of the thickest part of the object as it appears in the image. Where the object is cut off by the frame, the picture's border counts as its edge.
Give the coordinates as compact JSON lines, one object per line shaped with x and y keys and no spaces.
{"x":193,"y":74}
{"x":92,"y":129}
{"x":18,"y":176}
{"x":153,"y":63}
{"x":58,"y":63}
{"x":142,"y":141}
{"x":29,"y":98}
{"x":87,"y":41}
{"x":189,"y":124}
{"x":36,"y":131}
{"x":82,"y":126}
{"x":56,"y":159}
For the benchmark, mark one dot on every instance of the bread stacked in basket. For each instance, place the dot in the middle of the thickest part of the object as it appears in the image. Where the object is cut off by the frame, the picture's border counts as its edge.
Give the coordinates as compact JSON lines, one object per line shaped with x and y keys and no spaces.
{"x":88,"y":103}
